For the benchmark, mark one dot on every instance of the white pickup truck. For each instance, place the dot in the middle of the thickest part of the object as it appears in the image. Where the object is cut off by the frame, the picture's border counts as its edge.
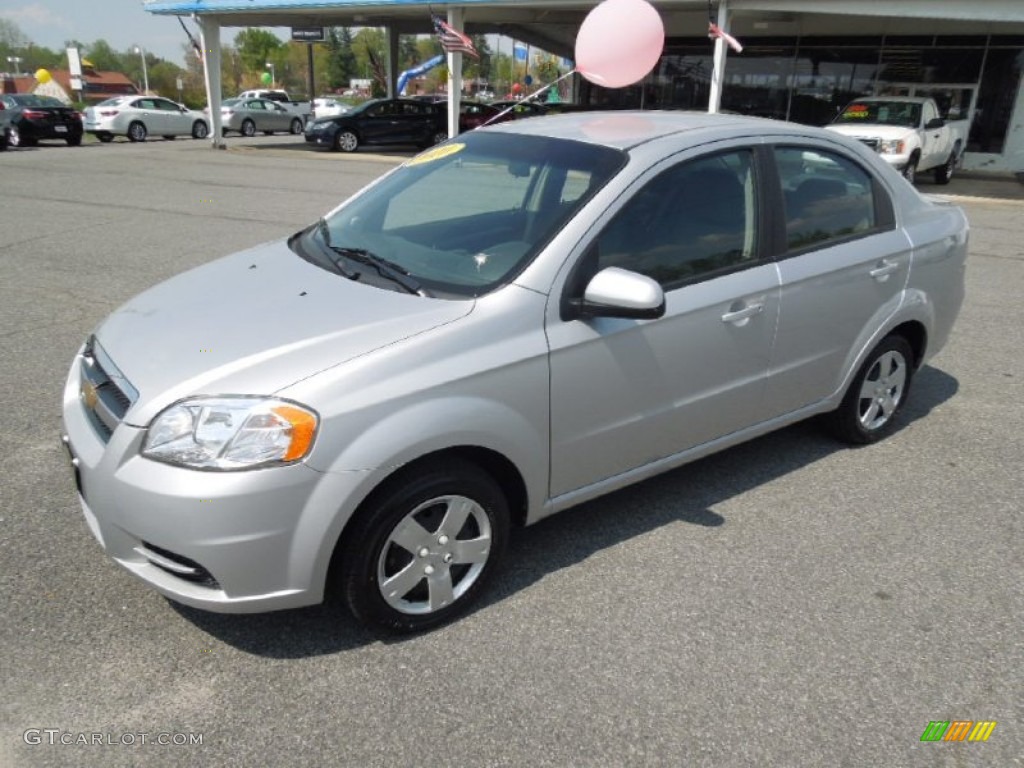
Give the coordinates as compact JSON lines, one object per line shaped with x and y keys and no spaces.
{"x":907,"y":132}
{"x":301,"y":108}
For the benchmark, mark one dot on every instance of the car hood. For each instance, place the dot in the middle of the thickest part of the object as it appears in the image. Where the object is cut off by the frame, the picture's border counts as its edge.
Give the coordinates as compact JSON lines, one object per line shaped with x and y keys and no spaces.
{"x":254,"y":323}
{"x":872,"y":131}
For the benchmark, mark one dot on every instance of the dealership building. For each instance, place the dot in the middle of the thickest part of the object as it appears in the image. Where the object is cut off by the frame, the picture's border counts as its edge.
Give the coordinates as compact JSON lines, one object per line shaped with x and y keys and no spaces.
{"x":802,"y":60}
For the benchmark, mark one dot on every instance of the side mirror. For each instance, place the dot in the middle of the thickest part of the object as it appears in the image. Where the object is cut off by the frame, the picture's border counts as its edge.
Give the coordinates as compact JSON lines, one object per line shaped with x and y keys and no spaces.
{"x":616,"y":292}
{"x":935,"y":122}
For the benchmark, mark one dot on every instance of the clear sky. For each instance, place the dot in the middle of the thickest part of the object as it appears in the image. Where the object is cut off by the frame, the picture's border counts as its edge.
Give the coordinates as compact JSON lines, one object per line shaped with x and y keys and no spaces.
{"x":122,"y":23}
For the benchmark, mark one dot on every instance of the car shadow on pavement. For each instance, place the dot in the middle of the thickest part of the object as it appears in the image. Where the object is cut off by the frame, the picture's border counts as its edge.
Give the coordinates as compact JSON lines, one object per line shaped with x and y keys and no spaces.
{"x":687,"y":494}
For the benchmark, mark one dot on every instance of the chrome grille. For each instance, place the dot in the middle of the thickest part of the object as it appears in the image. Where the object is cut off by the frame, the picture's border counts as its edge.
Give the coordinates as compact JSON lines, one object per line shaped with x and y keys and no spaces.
{"x":104,"y":391}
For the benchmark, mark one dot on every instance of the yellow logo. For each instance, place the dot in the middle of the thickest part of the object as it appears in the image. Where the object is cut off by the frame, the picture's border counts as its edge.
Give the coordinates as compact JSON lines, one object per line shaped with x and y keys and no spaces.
{"x":436,"y":154}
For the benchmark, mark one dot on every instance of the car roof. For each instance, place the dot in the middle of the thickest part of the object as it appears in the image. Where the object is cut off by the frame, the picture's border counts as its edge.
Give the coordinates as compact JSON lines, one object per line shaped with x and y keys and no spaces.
{"x":626,"y":129}
{"x":900,"y":99}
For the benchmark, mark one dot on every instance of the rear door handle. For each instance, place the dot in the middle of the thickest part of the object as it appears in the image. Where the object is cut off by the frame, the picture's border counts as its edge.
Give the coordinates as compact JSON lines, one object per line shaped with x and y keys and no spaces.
{"x":883,"y":270}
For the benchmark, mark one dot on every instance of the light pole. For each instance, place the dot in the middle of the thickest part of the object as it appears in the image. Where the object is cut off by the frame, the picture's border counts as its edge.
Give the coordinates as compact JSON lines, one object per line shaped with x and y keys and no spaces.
{"x":273,"y":74}
{"x":145,"y":75}
{"x":16,"y":61}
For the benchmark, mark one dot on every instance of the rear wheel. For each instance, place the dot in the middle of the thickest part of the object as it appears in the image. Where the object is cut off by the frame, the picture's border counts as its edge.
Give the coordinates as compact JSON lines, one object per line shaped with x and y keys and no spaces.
{"x":137,"y":132}
{"x":422,"y":549}
{"x":944,"y":173}
{"x":18,"y":139}
{"x":296,"y":126}
{"x":346,"y":141}
{"x":199,"y":130}
{"x":876,"y":394}
{"x":248,"y":128}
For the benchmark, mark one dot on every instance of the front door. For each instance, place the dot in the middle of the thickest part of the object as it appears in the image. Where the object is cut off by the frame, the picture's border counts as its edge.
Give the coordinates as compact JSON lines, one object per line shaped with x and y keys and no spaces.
{"x":624,"y":392}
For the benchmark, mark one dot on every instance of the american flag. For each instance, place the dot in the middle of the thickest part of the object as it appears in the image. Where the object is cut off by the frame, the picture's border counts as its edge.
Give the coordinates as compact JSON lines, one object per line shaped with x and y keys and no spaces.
{"x":453,"y":41}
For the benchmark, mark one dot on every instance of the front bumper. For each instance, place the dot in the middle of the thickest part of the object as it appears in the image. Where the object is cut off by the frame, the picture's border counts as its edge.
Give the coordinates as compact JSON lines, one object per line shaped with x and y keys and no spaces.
{"x":232,"y":542}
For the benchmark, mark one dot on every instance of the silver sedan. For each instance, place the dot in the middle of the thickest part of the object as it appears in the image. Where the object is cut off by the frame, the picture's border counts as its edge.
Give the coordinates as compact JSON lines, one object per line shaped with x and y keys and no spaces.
{"x":138,"y":117}
{"x":247,"y":116}
{"x":513,"y":322}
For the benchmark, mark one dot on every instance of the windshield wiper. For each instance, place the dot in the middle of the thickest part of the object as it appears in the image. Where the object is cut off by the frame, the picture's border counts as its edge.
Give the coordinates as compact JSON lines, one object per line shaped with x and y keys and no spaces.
{"x":384,"y":268}
{"x":325,"y":236}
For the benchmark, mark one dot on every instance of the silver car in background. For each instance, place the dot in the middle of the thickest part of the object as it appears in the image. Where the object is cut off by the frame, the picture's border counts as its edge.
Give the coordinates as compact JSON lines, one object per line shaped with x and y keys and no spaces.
{"x":509,"y":324}
{"x":247,"y":116}
{"x":138,"y":117}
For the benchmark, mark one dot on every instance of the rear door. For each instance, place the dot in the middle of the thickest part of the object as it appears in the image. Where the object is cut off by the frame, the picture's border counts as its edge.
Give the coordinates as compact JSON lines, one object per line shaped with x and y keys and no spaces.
{"x":843,"y":266}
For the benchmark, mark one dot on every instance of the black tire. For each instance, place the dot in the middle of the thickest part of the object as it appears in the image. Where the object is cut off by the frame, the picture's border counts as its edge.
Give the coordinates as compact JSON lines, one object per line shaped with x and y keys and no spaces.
{"x":877,"y":394}
{"x":137,"y":132}
{"x":199,"y":130}
{"x":74,"y":141}
{"x":3,"y":139}
{"x":440,"y":136}
{"x":106,"y":138}
{"x":414,"y":505}
{"x":944,"y":173}
{"x":296,"y":127}
{"x":910,"y":170}
{"x":346,"y":141}
{"x":17,"y":139}
{"x":248,"y":128}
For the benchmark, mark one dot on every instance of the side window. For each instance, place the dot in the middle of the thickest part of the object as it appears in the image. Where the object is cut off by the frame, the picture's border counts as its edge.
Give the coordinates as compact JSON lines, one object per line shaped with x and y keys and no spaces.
{"x":828,"y":198}
{"x":689,"y":222}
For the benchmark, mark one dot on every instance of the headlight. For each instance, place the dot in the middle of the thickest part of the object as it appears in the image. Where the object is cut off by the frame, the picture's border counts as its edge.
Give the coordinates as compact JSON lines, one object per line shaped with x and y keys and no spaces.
{"x":891,"y":147}
{"x":231,"y":433}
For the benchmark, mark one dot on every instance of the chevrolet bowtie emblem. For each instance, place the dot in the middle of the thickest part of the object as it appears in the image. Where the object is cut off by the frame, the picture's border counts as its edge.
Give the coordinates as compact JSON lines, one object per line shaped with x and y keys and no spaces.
{"x":89,"y":395}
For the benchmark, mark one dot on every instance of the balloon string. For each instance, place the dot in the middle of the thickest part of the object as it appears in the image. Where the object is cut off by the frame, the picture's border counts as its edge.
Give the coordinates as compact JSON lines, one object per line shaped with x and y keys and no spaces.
{"x":532,"y":96}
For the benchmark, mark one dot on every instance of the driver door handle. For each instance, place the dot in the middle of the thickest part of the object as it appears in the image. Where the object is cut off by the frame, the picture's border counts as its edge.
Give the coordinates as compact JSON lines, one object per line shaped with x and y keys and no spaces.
{"x":737,"y":315}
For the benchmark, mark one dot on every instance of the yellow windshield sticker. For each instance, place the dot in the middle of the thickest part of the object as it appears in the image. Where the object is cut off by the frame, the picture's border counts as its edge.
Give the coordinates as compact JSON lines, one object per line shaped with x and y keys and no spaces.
{"x":436,"y":154}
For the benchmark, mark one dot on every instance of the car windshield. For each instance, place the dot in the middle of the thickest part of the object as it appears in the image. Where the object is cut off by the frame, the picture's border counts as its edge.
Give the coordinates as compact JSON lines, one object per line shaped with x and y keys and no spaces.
{"x":905,"y":113}
{"x":467,"y":216}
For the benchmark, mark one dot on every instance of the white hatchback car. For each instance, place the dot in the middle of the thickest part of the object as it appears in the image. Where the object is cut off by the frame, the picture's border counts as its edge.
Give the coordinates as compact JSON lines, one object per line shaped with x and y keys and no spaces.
{"x":139,"y":116}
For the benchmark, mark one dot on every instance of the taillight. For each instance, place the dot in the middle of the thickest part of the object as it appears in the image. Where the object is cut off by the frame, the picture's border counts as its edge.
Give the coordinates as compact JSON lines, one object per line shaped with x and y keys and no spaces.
{"x":108,"y":112}
{"x":33,"y":114}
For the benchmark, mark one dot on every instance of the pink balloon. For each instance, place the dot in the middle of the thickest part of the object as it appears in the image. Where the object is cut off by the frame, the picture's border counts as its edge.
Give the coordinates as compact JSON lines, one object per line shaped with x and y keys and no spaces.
{"x":619,"y":43}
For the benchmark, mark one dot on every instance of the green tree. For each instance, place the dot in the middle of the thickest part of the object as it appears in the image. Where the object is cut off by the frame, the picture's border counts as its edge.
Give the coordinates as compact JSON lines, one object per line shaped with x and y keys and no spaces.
{"x":341,"y":63}
{"x":106,"y":59}
{"x":257,"y":47}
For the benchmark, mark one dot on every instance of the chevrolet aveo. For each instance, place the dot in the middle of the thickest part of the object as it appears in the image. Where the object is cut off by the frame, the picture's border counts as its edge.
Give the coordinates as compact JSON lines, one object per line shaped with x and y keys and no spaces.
{"x":511,"y":323}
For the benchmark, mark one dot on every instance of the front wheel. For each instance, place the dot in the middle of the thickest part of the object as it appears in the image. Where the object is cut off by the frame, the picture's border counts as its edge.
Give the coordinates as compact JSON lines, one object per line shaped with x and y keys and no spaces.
{"x":876,"y":394}
{"x":910,"y":170}
{"x":346,"y":141}
{"x":137,"y":132}
{"x":423,"y":548}
{"x":248,"y":128}
{"x":296,"y":127}
{"x":199,"y":130}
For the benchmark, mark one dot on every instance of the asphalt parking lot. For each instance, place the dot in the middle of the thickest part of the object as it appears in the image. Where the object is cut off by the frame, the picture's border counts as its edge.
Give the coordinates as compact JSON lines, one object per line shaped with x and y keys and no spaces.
{"x":789,"y":602}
